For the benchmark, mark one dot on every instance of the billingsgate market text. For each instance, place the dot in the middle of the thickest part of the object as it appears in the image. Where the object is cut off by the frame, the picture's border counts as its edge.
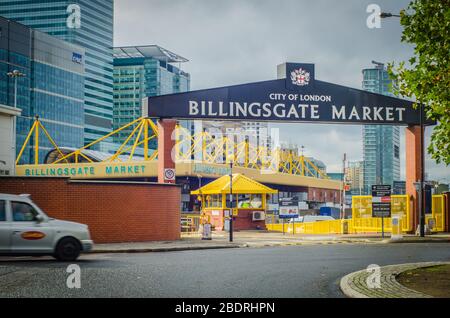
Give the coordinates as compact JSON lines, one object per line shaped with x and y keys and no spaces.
{"x":292,"y":106}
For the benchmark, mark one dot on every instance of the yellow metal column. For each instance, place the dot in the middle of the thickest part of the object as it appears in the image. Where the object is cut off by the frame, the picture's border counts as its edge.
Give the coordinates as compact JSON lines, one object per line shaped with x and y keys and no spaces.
{"x":36,"y":143}
{"x":145,"y":140}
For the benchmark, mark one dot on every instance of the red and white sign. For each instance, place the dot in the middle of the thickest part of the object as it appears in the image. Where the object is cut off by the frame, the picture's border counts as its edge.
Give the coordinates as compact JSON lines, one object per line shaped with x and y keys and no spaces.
{"x":386,"y":200}
{"x":169,"y":174}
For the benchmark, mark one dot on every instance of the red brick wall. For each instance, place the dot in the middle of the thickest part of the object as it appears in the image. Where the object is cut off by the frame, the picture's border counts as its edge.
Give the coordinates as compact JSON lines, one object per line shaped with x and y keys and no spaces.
{"x":165,"y":147}
{"x":114,"y":212}
{"x":413,"y":168}
{"x":243,"y":221}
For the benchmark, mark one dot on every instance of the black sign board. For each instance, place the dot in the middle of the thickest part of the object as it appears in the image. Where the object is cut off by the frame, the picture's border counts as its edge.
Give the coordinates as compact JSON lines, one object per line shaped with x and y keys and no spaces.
{"x":381,"y":201}
{"x":289,"y":208}
{"x":299,"y":97}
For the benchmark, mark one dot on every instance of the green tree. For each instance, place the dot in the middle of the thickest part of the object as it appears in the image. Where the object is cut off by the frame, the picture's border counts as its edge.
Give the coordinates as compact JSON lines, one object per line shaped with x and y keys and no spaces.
{"x":427,"y":77}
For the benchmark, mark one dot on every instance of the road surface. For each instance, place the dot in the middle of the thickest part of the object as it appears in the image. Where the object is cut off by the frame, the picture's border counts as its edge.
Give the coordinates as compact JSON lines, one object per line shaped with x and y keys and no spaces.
{"x":297,"y":271}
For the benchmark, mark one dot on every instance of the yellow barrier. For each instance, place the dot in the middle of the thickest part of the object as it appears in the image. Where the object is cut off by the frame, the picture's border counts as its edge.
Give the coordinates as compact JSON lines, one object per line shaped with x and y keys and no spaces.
{"x":324,"y":227}
{"x":362,"y":221}
{"x":438,"y":206}
{"x":362,"y":207}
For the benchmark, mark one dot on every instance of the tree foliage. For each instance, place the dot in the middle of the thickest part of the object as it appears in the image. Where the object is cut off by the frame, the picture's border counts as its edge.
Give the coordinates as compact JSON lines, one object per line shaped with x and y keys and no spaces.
{"x":427,"y":77}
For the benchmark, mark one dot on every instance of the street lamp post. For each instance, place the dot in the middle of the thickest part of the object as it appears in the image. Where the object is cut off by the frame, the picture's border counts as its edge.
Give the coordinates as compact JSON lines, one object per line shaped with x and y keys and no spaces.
{"x":16,"y":74}
{"x":199,"y":177}
{"x":422,"y":174}
{"x":384,"y":15}
{"x":231,"y":200}
{"x":420,"y":186}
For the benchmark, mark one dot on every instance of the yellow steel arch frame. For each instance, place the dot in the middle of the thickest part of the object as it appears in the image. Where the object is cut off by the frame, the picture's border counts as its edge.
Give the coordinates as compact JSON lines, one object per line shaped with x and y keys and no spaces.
{"x":35,"y":129}
{"x":218,"y":150}
{"x":143,"y":125}
{"x":203,"y":147}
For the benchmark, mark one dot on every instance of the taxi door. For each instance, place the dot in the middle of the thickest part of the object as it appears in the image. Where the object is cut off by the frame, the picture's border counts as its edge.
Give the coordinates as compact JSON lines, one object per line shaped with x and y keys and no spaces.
{"x":28,"y":235}
{"x":5,"y":229}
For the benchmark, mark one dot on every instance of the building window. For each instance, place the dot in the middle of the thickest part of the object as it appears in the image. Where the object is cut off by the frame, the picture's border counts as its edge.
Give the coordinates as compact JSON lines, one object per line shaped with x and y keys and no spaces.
{"x":396,"y":152}
{"x":250,"y":201}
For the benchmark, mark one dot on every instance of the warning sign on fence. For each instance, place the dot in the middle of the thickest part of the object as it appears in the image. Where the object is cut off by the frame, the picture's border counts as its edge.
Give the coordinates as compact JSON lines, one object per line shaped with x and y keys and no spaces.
{"x":381,"y":201}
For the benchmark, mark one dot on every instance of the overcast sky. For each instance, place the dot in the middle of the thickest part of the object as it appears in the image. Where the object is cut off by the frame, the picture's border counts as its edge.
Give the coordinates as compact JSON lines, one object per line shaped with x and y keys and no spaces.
{"x":239,"y":41}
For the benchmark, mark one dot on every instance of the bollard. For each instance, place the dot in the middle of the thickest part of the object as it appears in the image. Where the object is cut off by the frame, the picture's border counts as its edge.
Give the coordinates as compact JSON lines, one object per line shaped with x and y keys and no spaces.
{"x":396,"y":233}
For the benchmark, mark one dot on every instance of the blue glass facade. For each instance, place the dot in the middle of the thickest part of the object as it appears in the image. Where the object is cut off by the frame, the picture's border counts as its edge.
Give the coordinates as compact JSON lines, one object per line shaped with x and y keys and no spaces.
{"x":141,"y":72}
{"x":10,"y":61}
{"x":90,"y":27}
{"x":381,"y":144}
{"x":53,"y":86}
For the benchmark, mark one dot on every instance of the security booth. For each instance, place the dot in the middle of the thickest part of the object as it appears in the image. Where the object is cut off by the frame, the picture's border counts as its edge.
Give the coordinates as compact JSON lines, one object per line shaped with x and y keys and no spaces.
{"x":248,"y":204}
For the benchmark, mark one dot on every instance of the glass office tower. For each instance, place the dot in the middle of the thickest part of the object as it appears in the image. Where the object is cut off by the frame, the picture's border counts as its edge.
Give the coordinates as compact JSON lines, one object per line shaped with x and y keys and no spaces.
{"x":87,"y":23}
{"x":52,"y":88}
{"x":381,"y":143}
{"x":141,"y":72}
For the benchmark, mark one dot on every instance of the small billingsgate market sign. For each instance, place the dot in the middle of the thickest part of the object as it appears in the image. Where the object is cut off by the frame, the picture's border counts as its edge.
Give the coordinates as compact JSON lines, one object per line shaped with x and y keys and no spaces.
{"x":89,"y":170}
{"x":296,"y":97}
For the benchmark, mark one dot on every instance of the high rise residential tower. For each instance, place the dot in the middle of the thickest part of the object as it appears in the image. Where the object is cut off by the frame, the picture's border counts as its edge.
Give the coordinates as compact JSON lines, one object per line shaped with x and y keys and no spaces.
{"x":86,"y":23}
{"x":381,"y":144}
{"x":354,"y":175}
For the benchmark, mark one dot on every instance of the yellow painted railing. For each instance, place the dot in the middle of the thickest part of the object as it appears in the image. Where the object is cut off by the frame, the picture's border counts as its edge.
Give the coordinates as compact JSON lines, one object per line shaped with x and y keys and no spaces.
{"x":324,"y":227}
{"x":191,"y":224}
{"x":362,"y":221}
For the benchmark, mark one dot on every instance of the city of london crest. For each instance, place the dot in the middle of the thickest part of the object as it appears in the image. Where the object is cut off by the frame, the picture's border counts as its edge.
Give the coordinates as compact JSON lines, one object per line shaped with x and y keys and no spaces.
{"x":300,"y":77}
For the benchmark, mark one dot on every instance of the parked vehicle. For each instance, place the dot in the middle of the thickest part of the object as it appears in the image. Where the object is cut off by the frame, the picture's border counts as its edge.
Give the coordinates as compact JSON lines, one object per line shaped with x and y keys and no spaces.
{"x":26,"y":230}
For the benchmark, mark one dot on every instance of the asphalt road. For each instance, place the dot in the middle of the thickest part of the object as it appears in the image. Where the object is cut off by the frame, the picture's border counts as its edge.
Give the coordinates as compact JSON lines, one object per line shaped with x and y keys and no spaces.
{"x":298,"y":271}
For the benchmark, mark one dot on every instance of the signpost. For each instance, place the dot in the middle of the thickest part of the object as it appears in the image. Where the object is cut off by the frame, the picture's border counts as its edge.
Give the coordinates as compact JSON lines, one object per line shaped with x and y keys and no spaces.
{"x":289,"y":210}
{"x":381,"y":203}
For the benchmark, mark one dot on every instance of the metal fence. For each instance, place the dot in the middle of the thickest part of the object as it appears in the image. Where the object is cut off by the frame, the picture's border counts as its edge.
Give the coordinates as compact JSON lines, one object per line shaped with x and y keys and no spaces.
{"x":438,"y":212}
{"x":190,"y":225}
{"x":360,"y":223}
{"x":362,"y":220}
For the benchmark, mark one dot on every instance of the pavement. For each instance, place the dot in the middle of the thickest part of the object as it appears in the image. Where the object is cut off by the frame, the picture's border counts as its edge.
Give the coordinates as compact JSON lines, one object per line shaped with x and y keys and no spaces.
{"x":356,"y":285}
{"x":257,"y":239}
{"x":312,"y":270}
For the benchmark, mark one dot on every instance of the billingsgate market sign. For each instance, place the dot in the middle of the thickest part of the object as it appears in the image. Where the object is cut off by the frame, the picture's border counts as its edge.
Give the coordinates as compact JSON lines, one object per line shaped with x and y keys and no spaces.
{"x":296,"y":97}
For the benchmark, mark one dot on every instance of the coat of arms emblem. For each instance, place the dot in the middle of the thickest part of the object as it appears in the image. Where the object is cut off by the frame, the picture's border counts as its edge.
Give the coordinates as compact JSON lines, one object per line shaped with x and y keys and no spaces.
{"x":300,"y":77}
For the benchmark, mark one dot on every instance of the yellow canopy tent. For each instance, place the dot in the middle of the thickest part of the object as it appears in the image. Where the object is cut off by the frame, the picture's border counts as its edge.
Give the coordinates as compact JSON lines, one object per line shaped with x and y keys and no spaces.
{"x":249,"y":199}
{"x":241,"y":185}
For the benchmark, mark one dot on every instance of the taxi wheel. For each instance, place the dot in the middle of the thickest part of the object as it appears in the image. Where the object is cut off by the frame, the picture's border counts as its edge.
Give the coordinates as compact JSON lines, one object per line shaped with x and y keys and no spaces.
{"x":68,"y":249}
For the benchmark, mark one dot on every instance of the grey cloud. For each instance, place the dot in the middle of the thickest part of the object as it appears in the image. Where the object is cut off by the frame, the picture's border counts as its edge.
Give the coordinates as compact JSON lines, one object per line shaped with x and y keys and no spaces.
{"x":237,"y":41}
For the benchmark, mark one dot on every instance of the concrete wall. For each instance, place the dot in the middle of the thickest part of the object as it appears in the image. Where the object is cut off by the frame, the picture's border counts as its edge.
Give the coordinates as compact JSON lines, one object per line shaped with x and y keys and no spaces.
{"x":114,"y":212}
{"x":7,"y":146}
